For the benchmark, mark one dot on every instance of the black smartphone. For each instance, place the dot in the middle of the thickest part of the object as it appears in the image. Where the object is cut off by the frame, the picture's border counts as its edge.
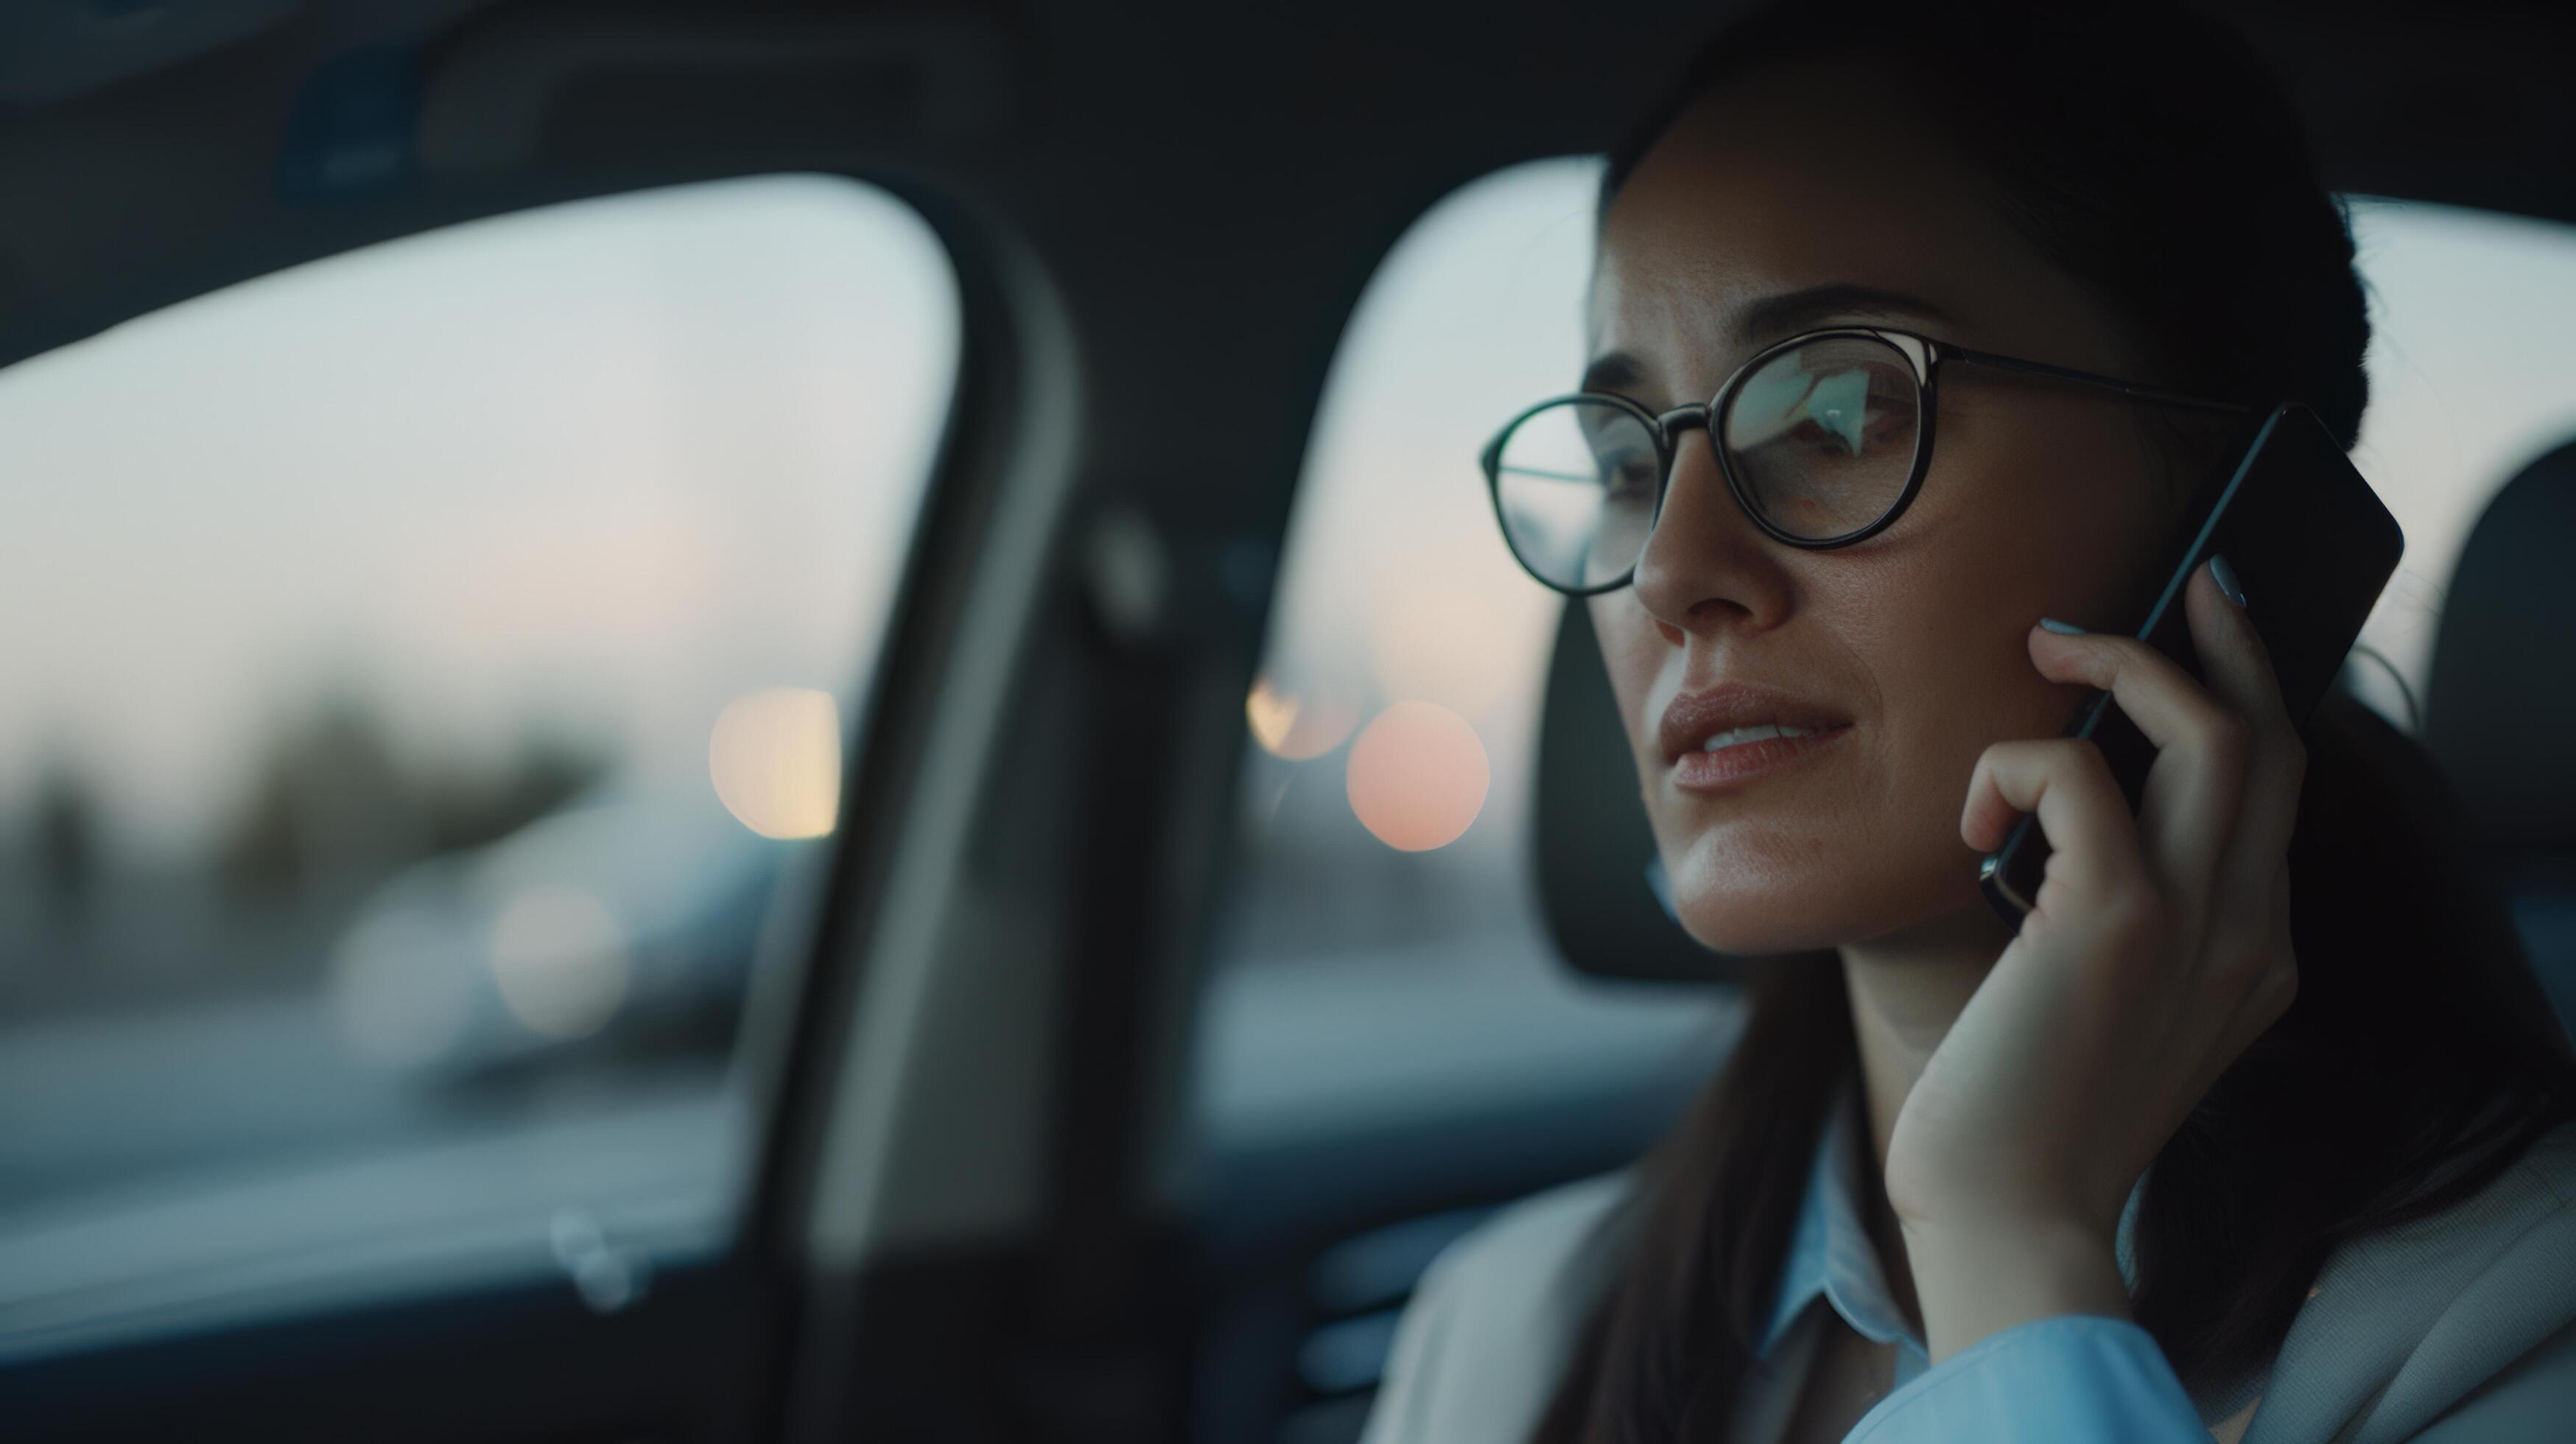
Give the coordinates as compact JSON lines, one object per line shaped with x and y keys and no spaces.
{"x":2312,"y":548}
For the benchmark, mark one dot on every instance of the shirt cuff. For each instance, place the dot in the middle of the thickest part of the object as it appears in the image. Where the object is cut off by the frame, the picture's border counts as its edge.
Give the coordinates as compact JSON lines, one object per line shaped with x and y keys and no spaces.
{"x":2075,"y":1379}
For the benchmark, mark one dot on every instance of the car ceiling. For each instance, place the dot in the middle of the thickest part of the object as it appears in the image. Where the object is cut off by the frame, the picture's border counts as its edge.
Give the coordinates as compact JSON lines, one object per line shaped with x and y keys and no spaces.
{"x":150,"y":148}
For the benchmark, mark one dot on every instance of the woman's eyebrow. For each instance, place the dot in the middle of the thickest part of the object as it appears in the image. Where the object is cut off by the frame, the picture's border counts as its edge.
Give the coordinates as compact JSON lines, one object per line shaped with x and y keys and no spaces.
{"x":1772,"y":317}
{"x":1792,"y":311}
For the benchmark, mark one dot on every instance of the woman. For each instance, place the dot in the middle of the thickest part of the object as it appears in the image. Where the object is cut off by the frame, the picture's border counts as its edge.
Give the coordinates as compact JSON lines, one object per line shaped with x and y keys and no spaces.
{"x":1920,"y":1191}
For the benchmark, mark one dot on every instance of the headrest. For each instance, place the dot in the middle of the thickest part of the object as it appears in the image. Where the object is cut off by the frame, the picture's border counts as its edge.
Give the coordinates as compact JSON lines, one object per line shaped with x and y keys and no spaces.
{"x":2501,"y":707}
{"x":1589,"y":826}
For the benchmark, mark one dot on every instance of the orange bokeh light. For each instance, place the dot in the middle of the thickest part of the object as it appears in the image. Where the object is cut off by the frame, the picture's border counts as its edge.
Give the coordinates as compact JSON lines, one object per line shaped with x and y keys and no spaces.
{"x":1418,"y":776}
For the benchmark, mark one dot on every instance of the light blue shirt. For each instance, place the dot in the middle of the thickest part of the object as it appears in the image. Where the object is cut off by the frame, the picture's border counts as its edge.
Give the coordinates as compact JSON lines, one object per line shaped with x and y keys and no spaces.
{"x":2068,"y":1380}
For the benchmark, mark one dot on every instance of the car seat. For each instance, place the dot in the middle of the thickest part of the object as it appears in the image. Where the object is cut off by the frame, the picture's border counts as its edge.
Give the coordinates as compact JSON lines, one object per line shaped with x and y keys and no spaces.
{"x":2500,"y":710}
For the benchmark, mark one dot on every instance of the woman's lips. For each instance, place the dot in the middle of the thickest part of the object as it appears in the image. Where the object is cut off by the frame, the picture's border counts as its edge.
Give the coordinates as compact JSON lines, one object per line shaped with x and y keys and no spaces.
{"x":1730,"y":767}
{"x":1693,"y":718}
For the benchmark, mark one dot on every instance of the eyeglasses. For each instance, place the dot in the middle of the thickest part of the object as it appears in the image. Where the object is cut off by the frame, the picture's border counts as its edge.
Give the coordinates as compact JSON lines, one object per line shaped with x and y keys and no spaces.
{"x":1823,"y":439}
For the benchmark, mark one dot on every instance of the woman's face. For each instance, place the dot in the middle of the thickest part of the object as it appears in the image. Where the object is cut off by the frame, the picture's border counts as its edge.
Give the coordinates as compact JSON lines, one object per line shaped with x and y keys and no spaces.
{"x":2041,"y":500}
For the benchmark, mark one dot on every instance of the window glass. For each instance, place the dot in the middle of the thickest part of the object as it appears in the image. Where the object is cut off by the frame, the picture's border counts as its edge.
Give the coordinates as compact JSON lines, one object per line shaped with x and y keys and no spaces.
{"x":1382,"y":915}
{"x":2467,"y":385}
{"x":425,"y":666}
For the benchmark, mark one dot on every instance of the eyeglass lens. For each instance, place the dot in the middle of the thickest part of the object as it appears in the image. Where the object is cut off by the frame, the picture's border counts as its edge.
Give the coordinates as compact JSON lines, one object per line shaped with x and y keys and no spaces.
{"x":1820,"y":441}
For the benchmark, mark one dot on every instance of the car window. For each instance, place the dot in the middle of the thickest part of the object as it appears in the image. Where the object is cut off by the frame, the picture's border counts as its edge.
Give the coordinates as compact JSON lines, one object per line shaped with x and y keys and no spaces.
{"x":1380,"y":914}
{"x":1388,"y":1043}
{"x":429,"y":671}
{"x":2466,"y":388}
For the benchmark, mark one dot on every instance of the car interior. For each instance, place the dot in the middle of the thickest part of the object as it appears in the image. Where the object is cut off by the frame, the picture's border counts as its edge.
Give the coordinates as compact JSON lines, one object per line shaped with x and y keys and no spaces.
{"x":1009,"y":1149}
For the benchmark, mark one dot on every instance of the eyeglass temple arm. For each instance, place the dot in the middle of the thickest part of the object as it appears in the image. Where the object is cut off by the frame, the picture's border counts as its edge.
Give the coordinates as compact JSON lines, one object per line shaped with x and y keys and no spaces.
{"x":2087,"y":378}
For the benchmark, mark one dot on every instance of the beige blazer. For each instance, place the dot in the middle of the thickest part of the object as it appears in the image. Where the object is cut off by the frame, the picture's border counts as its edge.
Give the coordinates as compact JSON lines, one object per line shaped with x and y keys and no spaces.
{"x":2456,"y":1328}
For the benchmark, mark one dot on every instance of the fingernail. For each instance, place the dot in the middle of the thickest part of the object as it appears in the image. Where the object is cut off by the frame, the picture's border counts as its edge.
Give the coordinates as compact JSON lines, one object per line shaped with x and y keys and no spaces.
{"x":2062,"y":629}
{"x":2225,"y":575}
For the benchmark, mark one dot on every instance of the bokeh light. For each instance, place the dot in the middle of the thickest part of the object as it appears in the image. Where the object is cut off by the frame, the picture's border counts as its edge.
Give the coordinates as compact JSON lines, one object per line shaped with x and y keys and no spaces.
{"x":1297,"y":725}
{"x":775,"y":756}
{"x":1418,"y":776}
{"x":560,"y":960}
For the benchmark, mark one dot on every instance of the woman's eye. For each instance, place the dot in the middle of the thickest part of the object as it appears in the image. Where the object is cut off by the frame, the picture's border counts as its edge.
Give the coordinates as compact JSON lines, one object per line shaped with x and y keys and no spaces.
{"x":1852,"y":430}
{"x":1848,"y":413}
{"x":1628,"y":471}
{"x":1830,"y":433}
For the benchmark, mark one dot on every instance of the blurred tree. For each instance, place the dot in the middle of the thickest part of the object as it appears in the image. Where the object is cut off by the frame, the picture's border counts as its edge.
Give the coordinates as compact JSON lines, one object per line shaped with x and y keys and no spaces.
{"x":470,"y":809}
{"x":329,"y":807}
{"x":64,"y":840}
{"x":334,"y":808}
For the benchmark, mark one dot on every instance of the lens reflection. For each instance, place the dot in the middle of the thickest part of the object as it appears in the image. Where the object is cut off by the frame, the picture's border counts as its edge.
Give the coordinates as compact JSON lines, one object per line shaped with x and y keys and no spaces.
{"x":1821,"y":439}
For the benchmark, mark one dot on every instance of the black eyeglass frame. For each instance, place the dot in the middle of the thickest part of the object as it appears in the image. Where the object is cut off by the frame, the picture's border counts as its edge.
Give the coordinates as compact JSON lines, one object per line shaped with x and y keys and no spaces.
{"x":1924,"y":353}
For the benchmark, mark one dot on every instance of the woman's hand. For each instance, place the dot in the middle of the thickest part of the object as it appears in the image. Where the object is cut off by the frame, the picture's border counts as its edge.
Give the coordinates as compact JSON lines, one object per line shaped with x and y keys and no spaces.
{"x":2158,"y":949}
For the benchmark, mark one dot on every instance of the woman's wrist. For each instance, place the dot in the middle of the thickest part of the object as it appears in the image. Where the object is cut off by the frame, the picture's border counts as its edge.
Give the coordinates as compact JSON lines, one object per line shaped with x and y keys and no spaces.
{"x":1973,"y":1281}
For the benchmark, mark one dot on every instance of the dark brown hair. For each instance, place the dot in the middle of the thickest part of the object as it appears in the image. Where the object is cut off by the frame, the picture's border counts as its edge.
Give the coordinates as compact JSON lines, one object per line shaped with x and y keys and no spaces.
{"x":2144,"y":150}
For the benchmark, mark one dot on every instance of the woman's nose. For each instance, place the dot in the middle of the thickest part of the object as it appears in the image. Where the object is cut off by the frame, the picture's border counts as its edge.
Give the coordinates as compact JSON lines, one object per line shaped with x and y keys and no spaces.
{"x":1705,"y":560}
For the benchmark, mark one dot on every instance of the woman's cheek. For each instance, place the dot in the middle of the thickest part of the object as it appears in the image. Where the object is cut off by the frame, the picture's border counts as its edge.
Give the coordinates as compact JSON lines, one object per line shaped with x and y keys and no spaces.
{"x":1944,"y":708}
{"x":1631,"y":652}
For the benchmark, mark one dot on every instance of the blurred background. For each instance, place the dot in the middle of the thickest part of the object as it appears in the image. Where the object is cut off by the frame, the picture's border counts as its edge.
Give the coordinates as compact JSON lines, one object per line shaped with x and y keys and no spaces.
{"x":428,"y":672}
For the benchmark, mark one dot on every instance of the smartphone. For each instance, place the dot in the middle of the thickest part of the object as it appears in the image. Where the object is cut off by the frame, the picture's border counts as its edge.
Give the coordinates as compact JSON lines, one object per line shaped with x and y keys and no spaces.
{"x":2312,"y":548}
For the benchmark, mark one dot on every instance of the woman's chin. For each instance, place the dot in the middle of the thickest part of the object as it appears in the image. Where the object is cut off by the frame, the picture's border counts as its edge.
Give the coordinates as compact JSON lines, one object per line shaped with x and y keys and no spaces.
{"x":1757,"y":901}
{"x":1756,"y":927}
{"x":1790,"y":918}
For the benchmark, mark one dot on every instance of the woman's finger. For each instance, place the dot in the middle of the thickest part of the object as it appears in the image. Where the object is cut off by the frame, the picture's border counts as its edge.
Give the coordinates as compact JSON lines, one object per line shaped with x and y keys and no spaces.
{"x":2168,"y":705}
{"x":2194,"y":789}
{"x":2093,"y":842}
{"x":2233,"y":659}
{"x":2239,"y":669}
{"x":2274,"y":985}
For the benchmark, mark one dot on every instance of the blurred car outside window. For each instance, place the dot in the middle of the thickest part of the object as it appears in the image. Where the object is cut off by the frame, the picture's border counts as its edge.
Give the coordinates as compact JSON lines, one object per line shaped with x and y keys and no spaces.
{"x":430,"y":670}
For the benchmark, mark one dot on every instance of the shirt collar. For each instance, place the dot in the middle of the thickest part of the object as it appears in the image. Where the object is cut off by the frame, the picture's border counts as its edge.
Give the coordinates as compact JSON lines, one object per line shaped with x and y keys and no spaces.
{"x":1831,"y":1254}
